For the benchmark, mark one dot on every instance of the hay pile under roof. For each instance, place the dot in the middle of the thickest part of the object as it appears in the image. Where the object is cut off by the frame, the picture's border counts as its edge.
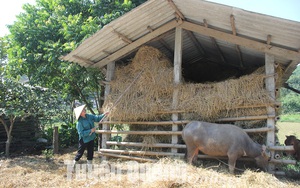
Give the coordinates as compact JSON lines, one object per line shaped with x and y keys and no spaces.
{"x":152,"y":92}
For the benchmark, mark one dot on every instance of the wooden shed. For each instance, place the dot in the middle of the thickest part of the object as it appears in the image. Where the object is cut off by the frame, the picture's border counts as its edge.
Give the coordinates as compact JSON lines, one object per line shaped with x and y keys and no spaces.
{"x":205,"y":42}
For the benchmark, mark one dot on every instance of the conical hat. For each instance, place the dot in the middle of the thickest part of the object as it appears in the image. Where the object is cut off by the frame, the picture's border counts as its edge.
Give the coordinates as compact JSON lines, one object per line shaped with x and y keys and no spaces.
{"x":78,"y":111}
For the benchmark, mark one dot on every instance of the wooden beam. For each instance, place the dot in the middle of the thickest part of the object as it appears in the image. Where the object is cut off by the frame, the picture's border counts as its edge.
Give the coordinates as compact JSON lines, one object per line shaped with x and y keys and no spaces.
{"x":87,"y":61}
{"x":176,"y":9}
{"x":237,"y":47}
{"x":131,"y":47}
{"x":121,"y":36}
{"x":248,"y":43}
{"x":215,"y":44}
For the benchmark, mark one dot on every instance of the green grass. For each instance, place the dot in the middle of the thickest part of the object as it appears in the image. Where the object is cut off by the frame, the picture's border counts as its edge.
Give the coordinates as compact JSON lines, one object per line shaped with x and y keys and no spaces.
{"x":287,"y":128}
{"x":290,"y":118}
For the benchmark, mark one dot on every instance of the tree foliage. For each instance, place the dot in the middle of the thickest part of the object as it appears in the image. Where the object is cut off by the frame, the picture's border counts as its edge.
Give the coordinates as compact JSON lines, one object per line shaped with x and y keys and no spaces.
{"x":291,"y":100}
{"x":52,"y":28}
{"x":20,"y":101}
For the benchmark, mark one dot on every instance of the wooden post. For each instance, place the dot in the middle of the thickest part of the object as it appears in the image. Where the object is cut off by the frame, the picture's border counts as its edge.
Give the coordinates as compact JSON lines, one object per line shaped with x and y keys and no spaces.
{"x":109,"y":76}
{"x":177,"y":81}
{"x":55,"y":140}
{"x":270,"y":87}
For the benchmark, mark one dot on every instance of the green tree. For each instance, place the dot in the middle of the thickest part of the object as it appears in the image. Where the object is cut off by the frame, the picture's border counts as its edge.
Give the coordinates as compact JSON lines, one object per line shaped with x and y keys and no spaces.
{"x":291,"y":100}
{"x":20,"y":101}
{"x":50,"y":29}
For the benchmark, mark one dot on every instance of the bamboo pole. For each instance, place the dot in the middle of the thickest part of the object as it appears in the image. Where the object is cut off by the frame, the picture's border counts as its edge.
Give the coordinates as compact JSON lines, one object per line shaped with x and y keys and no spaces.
{"x":139,"y":144}
{"x":139,"y":132}
{"x":148,"y":122}
{"x":246,"y":118}
{"x":276,"y":104}
{"x":283,"y":161}
{"x":281,"y":148}
{"x":263,"y":129}
{"x":243,"y":118}
{"x":257,"y":130}
{"x":181,"y":155}
{"x":128,"y":157}
{"x":151,"y":153}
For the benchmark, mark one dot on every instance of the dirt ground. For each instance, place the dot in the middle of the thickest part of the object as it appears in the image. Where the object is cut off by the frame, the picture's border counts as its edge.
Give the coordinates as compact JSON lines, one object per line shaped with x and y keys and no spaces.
{"x":36,"y":171}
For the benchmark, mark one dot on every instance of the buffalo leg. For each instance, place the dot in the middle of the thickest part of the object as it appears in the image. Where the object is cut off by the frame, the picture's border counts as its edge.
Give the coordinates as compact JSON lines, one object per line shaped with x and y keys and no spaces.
{"x":231,"y":162}
{"x":191,"y":154}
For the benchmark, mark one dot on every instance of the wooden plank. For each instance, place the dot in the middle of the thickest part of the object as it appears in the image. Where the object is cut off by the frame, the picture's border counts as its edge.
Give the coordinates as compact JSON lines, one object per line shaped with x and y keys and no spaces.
{"x":131,"y":47}
{"x":248,"y":43}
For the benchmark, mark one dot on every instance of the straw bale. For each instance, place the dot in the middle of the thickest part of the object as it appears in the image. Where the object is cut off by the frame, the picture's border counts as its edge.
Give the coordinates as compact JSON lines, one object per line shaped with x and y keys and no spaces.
{"x":153,"y":92}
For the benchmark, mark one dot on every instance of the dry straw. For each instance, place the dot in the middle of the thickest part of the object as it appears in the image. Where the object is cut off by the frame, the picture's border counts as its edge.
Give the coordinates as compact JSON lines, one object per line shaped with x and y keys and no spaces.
{"x":153,"y":92}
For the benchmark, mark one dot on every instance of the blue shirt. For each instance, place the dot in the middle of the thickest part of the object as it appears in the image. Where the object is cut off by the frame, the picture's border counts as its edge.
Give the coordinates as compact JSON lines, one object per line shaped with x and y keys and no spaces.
{"x":84,"y":126}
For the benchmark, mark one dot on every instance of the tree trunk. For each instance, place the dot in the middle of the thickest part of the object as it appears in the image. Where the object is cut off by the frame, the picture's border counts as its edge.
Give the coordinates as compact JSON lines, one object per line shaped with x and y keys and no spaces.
{"x":7,"y":145}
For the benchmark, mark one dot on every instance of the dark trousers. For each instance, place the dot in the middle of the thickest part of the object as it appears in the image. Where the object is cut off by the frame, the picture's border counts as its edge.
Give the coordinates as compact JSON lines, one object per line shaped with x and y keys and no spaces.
{"x":82,"y":146}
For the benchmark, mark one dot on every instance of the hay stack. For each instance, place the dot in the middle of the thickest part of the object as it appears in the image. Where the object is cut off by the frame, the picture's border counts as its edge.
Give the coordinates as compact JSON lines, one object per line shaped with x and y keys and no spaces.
{"x":153,"y":92}
{"x":150,"y":93}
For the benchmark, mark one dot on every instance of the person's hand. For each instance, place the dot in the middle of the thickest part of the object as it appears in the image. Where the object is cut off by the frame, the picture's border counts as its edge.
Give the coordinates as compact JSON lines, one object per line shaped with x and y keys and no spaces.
{"x":92,"y":130}
{"x":106,"y":113}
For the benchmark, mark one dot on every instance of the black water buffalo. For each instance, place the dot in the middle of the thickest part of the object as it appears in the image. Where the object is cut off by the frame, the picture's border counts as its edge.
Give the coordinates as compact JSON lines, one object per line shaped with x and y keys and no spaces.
{"x":222,"y":140}
{"x":293,"y":141}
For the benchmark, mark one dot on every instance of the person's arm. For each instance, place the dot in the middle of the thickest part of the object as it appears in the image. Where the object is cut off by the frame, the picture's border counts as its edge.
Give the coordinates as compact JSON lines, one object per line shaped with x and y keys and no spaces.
{"x":97,"y":118}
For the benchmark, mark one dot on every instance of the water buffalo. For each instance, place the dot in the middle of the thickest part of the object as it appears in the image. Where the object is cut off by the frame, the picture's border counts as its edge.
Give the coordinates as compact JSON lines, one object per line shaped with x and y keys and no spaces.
{"x":292,"y":140}
{"x":222,"y":140}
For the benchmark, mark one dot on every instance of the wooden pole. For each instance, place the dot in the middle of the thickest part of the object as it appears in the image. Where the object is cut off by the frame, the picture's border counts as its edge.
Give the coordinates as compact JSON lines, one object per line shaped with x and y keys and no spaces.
{"x":177,"y":81}
{"x":127,"y":157}
{"x":109,"y":77}
{"x":55,"y":140}
{"x":140,"y":144}
{"x":270,"y":87}
{"x":181,"y":155}
{"x":242,"y":118}
{"x":139,"y":132}
{"x":254,"y":130}
{"x":147,"y":122}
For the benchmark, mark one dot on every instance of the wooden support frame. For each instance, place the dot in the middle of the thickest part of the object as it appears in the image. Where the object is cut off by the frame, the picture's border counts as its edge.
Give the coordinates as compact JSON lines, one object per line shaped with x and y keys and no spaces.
{"x":270,"y":87}
{"x":248,"y":43}
{"x":177,"y":81}
{"x":109,"y":77}
{"x":132,"y":46}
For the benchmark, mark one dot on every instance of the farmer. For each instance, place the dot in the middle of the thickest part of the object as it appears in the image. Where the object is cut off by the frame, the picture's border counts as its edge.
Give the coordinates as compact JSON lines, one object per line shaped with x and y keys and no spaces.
{"x":86,"y":131}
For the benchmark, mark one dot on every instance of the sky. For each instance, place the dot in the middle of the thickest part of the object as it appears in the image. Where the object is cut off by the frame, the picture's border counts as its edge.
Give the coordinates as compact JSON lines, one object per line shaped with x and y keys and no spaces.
{"x":287,"y":9}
